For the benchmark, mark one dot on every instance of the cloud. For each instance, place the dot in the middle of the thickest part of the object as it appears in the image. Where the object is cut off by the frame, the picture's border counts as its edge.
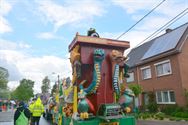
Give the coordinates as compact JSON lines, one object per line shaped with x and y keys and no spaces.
{"x":48,"y":36}
{"x":21,"y":64}
{"x":169,"y":8}
{"x":130,"y":36}
{"x":5,"y":8}
{"x":13,"y":84}
{"x":160,"y":16}
{"x":9,"y":45}
{"x":152,"y":23}
{"x":70,"y":12}
{"x":14,"y":73}
{"x":36,"y":68}
{"x":172,"y":8}
{"x":4,"y":25}
{"x":132,"y":6}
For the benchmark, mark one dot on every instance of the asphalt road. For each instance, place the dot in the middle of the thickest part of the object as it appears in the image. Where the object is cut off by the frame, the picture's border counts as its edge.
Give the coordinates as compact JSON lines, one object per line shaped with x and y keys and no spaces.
{"x":6,"y":118}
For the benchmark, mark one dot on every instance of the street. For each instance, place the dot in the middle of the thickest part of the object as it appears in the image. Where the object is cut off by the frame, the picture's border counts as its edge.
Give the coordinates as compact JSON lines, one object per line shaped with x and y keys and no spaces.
{"x":6,"y":118}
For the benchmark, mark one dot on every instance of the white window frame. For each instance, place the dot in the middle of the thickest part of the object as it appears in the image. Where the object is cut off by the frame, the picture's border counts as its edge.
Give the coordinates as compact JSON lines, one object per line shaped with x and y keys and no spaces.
{"x":160,"y":63}
{"x":144,"y":68}
{"x":162,"y":98}
{"x":128,"y":78}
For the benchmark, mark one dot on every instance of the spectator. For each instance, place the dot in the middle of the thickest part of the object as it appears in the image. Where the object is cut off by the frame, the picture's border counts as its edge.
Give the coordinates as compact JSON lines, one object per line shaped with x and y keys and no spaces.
{"x":22,"y":115}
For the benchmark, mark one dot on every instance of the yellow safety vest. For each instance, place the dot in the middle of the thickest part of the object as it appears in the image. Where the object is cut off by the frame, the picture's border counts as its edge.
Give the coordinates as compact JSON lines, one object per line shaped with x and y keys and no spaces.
{"x":37,"y":108}
{"x":31,"y":107}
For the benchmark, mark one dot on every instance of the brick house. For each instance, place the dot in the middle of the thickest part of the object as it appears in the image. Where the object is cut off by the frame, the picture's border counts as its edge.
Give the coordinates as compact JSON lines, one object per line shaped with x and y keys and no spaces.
{"x":161,"y":66}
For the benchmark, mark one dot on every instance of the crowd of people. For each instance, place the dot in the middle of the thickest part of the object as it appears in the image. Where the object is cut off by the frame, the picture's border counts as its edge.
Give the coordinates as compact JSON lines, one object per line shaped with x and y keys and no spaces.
{"x":31,"y":114}
{"x":6,"y":105}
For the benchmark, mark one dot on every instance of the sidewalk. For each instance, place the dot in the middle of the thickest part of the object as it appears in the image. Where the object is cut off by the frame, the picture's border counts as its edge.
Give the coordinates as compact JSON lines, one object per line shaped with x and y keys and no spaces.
{"x":148,"y":122}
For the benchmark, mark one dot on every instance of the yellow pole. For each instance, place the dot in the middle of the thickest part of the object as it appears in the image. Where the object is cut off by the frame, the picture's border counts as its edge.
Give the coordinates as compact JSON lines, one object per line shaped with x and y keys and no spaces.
{"x":121,"y":80}
{"x":121,"y":75}
{"x":115,"y":97}
{"x":75,"y":100}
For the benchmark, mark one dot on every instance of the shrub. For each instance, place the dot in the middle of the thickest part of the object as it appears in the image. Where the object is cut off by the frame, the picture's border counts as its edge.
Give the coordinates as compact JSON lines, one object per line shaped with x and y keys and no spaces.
{"x":168,"y":109}
{"x":152,"y":106}
{"x":144,"y":116}
{"x":172,"y":119}
{"x":178,"y":119}
{"x":181,"y":114}
{"x":160,"y":115}
{"x":171,"y":109}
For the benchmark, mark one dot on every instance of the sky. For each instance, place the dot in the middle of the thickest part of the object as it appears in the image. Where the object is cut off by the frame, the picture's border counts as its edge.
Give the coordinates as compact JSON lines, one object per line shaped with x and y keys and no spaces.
{"x":35,"y":34}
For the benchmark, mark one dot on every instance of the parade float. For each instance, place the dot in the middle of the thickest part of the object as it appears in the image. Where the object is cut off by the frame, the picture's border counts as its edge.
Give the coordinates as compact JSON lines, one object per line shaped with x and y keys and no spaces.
{"x":97,"y":94}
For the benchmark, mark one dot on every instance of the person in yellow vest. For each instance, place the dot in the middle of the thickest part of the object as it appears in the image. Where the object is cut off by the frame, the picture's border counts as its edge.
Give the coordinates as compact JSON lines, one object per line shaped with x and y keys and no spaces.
{"x":31,"y":108}
{"x":37,"y":109}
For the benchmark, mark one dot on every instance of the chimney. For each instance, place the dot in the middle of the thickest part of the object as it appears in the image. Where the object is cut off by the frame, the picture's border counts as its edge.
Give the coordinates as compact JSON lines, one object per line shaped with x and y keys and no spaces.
{"x":168,"y":30}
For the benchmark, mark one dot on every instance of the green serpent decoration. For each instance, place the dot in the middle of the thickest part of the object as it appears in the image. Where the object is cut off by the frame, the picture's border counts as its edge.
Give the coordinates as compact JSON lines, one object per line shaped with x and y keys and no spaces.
{"x":116,"y":79}
{"x":98,"y":57}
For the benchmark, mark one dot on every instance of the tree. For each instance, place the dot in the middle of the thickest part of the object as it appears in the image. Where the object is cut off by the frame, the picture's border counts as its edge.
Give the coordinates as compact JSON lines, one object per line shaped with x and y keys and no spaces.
{"x":186,"y":95}
{"x":53,"y":89}
{"x":45,"y":85}
{"x":24,"y":91}
{"x":152,"y":106}
{"x":4,"y":92}
{"x":137,"y":89}
{"x":3,"y":78}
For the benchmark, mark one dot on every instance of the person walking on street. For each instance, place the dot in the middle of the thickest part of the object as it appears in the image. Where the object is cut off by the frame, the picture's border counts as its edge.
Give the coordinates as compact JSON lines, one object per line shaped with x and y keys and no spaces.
{"x":37,"y":109}
{"x":31,"y":108}
{"x":22,"y":115}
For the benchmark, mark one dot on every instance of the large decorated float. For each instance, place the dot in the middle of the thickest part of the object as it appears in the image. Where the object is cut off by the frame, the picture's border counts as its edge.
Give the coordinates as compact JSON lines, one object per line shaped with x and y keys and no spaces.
{"x":97,"y":95}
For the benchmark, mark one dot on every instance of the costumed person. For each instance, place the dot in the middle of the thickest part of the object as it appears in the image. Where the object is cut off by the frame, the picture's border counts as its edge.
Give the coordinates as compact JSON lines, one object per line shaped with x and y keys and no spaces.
{"x":37,"y":110}
{"x":22,"y":115}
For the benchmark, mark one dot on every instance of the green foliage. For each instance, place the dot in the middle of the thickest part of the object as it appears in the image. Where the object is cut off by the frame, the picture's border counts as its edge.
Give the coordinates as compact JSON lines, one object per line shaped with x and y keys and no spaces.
{"x":45,"y":85}
{"x":3,"y":78}
{"x":24,"y":91}
{"x":152,"y":106}
{"x":4,"y":92}
{"x":186,"y":95}
{"x":171,"y":109}
{"x":53,"y":89}
{"x":160,"y":115}
{"x":137,"y":89}
{"x":172,"y":119}
{"x":181,"y":114}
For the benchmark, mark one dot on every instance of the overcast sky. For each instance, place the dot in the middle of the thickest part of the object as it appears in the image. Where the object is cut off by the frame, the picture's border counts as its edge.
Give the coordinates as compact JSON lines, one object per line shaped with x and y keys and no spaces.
{"x":35,"y":34}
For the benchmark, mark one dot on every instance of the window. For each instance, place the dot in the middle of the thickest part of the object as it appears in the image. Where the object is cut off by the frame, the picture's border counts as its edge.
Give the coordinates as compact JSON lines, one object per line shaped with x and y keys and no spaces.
{"x":165,"y":97}
{"x":159,"y":97}
{"x":146,"y":72}
{"x":131,"y":77}
{"x":146,"y":98}
{"x":163,"y":68}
